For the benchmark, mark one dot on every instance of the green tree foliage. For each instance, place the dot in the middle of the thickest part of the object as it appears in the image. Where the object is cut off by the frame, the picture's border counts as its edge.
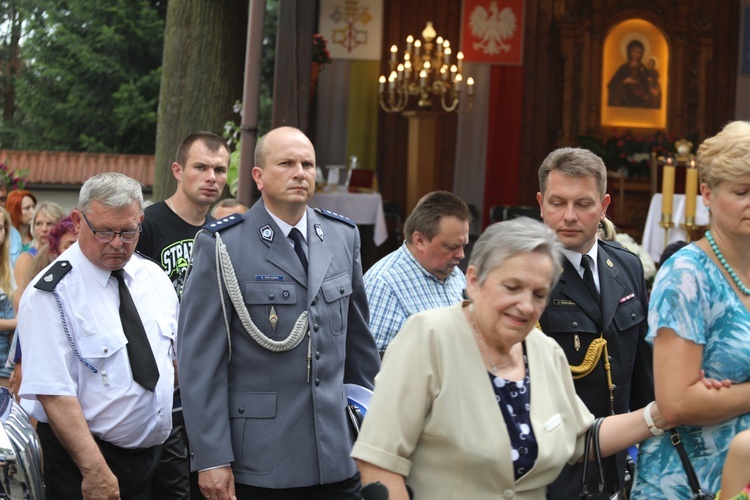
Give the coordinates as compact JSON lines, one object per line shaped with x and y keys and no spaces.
{"x":91,"y":76}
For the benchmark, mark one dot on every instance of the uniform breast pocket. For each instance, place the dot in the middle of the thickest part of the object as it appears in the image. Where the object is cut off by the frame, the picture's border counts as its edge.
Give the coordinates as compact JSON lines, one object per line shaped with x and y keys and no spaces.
{"x":573,"y":329}
{"x":107,"y":352}
{"x":629,"y":314}
{"x":336,"y":292}
{"x":269,"y":302}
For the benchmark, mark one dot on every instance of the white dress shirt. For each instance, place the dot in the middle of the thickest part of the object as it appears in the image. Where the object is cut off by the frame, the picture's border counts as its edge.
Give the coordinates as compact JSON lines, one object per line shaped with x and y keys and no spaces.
{"x":117,"y":409}
{"x":575,"y":259}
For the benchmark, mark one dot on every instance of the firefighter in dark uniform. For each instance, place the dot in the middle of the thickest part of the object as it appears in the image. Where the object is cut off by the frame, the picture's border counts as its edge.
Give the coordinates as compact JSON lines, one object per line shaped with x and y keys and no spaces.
{"x":598,"y":310}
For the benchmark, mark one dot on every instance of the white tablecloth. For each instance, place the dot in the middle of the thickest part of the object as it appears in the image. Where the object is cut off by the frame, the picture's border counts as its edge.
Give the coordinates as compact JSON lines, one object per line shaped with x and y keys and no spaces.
{"x":362,"y":208}
{"x":653,"y":233}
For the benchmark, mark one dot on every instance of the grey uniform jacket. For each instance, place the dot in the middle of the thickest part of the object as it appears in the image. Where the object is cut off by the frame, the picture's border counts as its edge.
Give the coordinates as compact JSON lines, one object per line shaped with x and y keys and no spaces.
{"x":257,"y":411}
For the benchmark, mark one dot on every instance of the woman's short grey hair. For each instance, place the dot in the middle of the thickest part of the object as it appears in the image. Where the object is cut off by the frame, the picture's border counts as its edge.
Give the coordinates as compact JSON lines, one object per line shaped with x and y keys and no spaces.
{"x":111,"y":189}
{"x":504,"y":240}
{"x":725,"y":156}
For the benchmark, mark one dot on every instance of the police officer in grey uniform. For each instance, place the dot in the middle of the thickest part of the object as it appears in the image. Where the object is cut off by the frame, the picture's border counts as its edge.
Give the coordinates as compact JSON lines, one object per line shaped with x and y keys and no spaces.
{"x":599,"y":320}
{"x":273,"y":324}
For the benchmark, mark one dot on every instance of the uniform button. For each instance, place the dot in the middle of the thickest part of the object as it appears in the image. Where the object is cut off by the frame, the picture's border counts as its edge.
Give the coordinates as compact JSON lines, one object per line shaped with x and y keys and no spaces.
{"x":317,"y":382}
{"x":317,"y":354}
{"x":316,"y":327}
{"x":341,"y":290}
{"x":575,"y":324}
{"x":192,"y":455}
{"x":509,"y":494}
{"x":241,"y":410}
{"x":271,"y":296}
{"x":285,"y":294}
{"x":106,"y":350}
{"x":632,"y":315}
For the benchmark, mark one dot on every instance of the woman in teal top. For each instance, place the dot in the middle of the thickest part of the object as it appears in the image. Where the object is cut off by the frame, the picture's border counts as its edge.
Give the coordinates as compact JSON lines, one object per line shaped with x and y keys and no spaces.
{"x":699,"y":319}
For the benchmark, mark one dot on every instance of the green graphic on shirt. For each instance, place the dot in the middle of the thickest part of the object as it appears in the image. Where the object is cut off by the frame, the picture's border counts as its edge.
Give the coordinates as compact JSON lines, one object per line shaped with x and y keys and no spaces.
{"x":176,"y":257}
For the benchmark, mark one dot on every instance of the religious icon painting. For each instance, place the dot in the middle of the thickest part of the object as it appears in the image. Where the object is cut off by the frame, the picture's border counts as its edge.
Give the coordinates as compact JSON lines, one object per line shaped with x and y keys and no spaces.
{"x":635,"y":73}
{"x":492,"y":31}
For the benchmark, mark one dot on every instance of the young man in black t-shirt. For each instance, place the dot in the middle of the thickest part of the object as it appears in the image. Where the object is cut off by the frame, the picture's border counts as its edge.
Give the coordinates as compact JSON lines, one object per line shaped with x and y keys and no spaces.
{"x":169,"y":228}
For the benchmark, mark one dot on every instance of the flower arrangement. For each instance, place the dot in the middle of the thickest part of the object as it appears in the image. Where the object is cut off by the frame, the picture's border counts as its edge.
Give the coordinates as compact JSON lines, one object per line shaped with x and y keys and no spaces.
{"x":629,"y":152}
{"x":14,"y":179}
{"x":649,"y":267}
{"x":320,"y":53}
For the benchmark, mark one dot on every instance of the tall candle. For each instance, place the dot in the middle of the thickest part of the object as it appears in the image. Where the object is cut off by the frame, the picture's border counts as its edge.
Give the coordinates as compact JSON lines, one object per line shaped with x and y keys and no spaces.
{"x":667,"y":189}
{"x":691,"y":191}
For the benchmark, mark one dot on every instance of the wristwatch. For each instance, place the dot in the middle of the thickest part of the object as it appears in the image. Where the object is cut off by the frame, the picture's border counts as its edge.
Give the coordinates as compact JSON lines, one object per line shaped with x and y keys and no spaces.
{"x":650,"y":420}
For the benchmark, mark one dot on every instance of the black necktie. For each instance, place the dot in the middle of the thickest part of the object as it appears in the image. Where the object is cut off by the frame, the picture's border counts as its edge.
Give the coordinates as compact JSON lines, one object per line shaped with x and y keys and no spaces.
{"x":295,"y":235}
{"x":588,"y":275}
{"x":142,"y":362}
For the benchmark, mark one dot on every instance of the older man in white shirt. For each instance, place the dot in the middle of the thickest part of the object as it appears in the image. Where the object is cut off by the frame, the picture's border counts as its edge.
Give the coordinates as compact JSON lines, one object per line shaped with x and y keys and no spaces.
{"x":97,"y":330}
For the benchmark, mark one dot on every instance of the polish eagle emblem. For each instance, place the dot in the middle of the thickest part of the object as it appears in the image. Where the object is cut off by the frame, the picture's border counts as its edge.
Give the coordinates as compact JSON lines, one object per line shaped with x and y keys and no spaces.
{"x":492,"y":28}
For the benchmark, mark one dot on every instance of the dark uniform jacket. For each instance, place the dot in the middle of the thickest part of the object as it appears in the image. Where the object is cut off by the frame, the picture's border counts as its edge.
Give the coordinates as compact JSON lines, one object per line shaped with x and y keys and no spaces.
{"x":257,"y":410}
{"x":574,"y":320}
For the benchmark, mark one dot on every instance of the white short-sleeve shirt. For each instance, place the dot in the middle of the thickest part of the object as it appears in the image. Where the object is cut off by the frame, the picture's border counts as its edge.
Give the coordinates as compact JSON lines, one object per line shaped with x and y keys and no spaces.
{"x":90,"y":361}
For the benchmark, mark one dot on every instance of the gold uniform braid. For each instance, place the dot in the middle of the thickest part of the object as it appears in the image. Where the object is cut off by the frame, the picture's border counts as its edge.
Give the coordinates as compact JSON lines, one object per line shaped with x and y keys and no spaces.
{"x":590,"y":360}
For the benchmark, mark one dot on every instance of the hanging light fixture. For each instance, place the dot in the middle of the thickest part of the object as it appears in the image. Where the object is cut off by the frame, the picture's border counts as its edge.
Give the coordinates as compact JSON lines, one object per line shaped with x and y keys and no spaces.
{"x":426,"y":73}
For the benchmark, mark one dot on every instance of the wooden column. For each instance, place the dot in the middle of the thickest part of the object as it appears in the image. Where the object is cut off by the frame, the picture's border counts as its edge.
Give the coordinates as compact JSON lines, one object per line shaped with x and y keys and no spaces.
{"x":423,"y":155}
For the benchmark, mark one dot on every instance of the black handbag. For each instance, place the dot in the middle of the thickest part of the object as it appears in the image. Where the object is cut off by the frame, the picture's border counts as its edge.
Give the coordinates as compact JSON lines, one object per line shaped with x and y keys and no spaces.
{"x":592,"y":440}
{"x":695,"y":486}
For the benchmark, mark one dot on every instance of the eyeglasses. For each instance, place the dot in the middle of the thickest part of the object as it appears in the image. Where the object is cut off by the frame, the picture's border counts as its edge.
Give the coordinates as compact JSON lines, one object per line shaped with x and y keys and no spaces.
{"x":107,"y":236}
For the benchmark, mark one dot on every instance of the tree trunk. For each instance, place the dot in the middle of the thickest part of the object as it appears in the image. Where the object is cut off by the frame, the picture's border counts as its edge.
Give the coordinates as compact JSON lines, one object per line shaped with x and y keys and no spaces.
{"x":202,"y":73}
{"x":294,"y":45}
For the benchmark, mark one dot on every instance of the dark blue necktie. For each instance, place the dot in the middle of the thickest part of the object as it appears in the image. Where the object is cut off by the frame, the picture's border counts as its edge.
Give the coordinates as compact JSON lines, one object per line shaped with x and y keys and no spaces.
{"x":588,"y":275}
{"x":296,"y":236}
{"x":142,"y":362}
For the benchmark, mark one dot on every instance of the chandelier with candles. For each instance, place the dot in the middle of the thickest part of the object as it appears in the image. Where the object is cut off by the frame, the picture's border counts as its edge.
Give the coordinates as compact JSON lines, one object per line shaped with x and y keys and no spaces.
{"x":427,"y":74}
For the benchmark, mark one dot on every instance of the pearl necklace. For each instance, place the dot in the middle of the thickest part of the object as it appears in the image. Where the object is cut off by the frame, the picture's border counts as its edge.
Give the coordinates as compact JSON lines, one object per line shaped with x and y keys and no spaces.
{"x":493,"y":367}
{"x":726,"y":265}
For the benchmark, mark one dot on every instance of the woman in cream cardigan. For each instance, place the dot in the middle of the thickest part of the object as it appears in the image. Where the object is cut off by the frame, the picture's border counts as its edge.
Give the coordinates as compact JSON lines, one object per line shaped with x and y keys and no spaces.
{"x":474,"y":402}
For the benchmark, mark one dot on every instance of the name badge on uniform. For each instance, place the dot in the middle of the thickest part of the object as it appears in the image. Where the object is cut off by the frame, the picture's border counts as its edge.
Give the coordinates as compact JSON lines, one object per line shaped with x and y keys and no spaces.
{"x":564,"y":302}
{"x":269,"y":277}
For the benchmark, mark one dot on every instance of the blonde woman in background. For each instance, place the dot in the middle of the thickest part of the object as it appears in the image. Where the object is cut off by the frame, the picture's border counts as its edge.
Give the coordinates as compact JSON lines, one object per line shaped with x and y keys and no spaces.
{"x":46,"y":215}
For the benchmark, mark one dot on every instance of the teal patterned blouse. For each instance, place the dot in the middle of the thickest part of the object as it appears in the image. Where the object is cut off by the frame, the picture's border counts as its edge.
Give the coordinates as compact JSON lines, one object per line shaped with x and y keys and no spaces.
{"x":692,"y":297}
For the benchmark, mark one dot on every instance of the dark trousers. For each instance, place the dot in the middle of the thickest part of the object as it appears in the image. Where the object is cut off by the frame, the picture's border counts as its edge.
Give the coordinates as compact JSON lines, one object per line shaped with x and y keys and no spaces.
{"x":133,"y":468}
{"x":172,"y":477}
{"x":344,"y":490}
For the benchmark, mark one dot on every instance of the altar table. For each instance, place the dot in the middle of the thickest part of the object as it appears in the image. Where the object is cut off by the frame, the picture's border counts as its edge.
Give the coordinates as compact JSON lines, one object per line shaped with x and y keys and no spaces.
{"x":362,"y":208}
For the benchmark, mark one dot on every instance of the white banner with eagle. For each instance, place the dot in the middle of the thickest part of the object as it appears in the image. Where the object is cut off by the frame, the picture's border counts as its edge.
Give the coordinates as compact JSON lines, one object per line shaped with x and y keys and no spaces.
{"x":492,"y":31}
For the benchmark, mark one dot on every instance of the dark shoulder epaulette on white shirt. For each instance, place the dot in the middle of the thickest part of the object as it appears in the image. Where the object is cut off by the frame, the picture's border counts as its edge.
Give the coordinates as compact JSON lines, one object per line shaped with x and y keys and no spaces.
{"x":217,"y":225}
{"x":335,"y":216}
{"x":52,"y":277}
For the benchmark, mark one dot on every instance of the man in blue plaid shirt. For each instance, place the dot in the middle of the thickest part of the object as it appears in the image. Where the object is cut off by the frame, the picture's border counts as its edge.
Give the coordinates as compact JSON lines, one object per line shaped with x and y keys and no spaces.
{"x":423,"y":273}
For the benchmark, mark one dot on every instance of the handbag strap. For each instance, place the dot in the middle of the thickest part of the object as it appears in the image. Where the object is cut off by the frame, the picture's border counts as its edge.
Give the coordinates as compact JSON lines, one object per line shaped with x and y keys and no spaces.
{"x":692,"y":478}
{"x":592,"y":439}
